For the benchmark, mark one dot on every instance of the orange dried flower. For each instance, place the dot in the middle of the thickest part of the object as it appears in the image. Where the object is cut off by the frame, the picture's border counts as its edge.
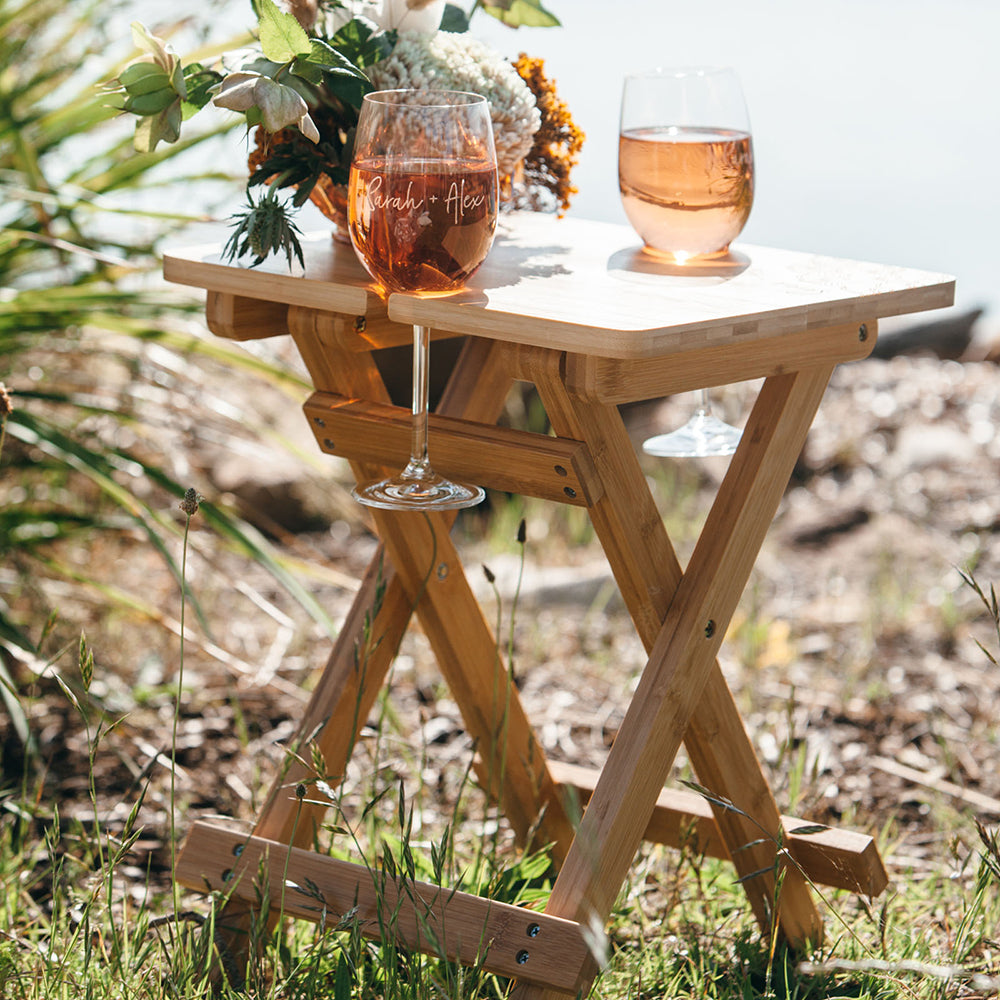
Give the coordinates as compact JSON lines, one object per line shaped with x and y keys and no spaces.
{"x":558,"y":141}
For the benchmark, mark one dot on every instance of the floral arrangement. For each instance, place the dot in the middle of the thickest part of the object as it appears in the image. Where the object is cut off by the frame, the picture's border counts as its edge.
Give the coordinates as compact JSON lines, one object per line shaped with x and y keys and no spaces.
{"x":301,"y":86}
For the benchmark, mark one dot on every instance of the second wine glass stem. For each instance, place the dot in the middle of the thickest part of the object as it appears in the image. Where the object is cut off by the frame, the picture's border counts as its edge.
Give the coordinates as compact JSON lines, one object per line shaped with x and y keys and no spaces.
{"x":704,"y":404}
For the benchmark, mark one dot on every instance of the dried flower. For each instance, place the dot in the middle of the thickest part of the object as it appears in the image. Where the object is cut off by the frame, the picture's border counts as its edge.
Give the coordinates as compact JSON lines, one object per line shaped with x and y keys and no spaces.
{"x":556,"y":146}
{"x":460,"y":62}
{"x":192,"y":500}
{"x":264,"y":228}
{"x":410,"y":15}
{"x":6,"y":406}
{"x":304,"y":11}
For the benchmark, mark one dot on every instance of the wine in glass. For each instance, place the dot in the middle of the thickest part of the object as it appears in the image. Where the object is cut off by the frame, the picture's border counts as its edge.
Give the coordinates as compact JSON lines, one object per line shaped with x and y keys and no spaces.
{"x":422,"y":206}
{"x":686,"y":176}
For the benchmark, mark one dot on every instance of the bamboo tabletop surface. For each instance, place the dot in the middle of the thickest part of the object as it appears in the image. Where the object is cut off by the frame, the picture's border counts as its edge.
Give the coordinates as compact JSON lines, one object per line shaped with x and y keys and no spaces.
{"x":585,"y":287}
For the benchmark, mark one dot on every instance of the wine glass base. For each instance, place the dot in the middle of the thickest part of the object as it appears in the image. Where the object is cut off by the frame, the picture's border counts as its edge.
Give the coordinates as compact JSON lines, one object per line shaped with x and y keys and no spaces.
{"x":430,"y":493}
{"x":703,"y":436}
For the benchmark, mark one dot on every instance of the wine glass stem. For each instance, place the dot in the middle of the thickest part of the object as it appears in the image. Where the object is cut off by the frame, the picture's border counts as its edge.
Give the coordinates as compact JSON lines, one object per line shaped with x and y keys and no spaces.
{"x":419,"y":464}
{"x":704,"y":404}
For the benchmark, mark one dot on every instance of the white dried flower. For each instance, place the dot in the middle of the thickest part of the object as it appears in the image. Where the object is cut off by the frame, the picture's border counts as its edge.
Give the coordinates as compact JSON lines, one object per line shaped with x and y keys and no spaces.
{"x":459,"y":62}
{"x":411,"y":15}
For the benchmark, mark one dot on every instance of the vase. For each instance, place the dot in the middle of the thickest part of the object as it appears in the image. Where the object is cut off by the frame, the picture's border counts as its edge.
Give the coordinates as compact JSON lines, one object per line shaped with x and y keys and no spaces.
{"x":331,"y":200}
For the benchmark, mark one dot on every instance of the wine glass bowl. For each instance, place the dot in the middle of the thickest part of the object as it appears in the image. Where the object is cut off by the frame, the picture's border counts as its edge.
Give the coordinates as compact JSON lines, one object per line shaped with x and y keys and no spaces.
{"x":422,"y":214}
{"x":686,"y":177}
{"x":685,"y":161}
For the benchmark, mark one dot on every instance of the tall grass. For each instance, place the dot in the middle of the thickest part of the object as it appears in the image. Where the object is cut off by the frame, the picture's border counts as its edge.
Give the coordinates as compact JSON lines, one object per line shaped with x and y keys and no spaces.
{"x":102,"y":365}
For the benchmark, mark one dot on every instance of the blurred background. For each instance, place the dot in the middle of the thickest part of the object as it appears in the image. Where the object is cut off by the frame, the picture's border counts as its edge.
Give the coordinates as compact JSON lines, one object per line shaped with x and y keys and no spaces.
{"x":876,"y":122}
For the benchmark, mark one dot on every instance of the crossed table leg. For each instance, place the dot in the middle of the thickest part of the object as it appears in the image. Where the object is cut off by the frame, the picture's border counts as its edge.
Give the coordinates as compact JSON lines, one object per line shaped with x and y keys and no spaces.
{"x":681,"y":618}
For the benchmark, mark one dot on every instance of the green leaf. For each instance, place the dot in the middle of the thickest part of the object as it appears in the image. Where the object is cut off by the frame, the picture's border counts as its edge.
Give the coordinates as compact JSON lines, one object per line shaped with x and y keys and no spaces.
{"x":162,"y":127}
{"x":282,"y":38}
{"x":521,"y":13}
{"x":455,"y":19}
{"x":363,"y":43}
{"x":151,"y":103}
{"x":199,"y":83}
{"x":142,"y":78}
{"x":344,"y":980}
{"x":325,"y":55}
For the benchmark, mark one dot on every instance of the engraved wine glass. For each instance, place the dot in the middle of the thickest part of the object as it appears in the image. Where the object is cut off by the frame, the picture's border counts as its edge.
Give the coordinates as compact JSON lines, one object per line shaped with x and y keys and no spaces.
{"x":422,"y":206}
{"x":686,"y":176}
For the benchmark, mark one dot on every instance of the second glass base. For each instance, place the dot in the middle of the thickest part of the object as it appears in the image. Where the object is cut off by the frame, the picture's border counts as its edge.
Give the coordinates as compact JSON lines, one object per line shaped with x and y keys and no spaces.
{"x":703,"y":436}
{"x":432,"y":492}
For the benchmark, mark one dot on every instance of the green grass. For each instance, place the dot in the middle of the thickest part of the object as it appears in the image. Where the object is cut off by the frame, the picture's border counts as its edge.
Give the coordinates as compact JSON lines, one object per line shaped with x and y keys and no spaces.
{"x":102,"y":729}
{"x":78,"y":919}
{"x":85,"y":912}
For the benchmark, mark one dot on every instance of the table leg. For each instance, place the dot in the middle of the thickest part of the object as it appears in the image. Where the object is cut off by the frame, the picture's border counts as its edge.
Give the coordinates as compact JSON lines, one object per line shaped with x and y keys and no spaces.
{"x":372,"y":631}
{"x":682,"y":662}
{"x":510,"y":762}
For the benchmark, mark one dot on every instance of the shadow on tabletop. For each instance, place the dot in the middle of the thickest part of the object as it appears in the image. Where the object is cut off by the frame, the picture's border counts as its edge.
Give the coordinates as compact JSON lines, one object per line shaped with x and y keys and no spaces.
{"x":636,"y":265}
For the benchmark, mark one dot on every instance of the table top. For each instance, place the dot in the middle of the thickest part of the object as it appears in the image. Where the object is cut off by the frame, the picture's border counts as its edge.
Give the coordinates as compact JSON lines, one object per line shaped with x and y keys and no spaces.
{"x":586,"y":287}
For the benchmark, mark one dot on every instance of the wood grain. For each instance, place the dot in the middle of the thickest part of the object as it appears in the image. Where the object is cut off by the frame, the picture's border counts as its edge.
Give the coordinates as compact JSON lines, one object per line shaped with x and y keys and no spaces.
{"x":841,"y":859}
{"x":497,"y":457}
{"x":580,"y":286}
{"x":503,"y":939}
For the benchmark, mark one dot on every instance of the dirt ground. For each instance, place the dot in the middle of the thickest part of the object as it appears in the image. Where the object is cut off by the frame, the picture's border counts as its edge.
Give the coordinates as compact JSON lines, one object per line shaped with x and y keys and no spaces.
{"x":854,"y":654}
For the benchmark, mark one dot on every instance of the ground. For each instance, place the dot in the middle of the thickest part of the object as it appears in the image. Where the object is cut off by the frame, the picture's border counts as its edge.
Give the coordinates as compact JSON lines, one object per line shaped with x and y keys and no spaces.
{"x":855,"y":653}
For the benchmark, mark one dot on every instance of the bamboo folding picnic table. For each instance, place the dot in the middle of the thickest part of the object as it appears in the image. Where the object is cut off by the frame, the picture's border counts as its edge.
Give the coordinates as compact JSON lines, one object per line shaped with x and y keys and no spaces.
{"x":574,"y":308}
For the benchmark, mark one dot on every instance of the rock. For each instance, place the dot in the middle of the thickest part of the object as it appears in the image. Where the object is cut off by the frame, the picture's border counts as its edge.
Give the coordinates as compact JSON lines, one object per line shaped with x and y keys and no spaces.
{"x":948,"y":338}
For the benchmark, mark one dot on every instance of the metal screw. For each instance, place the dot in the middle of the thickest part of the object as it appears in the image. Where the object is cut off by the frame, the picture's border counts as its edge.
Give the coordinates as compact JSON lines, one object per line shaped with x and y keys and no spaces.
{"x":570,"y":492}
{"x":227,"y":875}
{"x":560,"y":471}
{"x":237,"y":850}
{"x":863,"y":332}
{"x":442,"y":571}
{"x":522,"y":957}
{"x":320,"y":422}
{"x":328,"y":444}
{"x":709,"y":628}
{"x":360,"y":323}
{"x":533,"y":930}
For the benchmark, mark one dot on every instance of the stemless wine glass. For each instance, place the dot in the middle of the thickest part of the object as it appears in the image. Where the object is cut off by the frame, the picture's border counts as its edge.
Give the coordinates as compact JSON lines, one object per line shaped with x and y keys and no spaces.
{"x":685,"y":172}
{"x":422,"y":205}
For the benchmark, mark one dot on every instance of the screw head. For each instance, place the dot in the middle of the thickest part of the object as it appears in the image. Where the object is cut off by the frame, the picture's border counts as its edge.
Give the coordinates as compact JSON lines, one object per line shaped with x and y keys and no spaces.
{"x":533,"y":930}
{"x":320,"y":422}
{"x":863,"y":332}
{"x":522,"y":957}
{"x":709,"y":628}
{"x":360,"y":323}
